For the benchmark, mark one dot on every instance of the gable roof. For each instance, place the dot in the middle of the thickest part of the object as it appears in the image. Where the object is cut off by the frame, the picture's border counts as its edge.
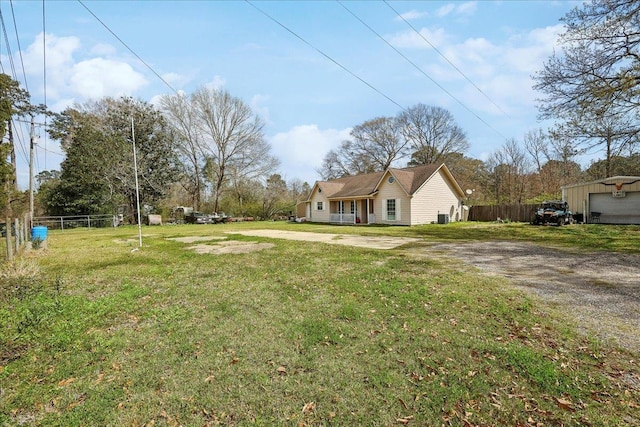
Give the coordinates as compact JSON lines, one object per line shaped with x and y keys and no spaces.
{"x":366,"y":185}
{"x":411,"y":179}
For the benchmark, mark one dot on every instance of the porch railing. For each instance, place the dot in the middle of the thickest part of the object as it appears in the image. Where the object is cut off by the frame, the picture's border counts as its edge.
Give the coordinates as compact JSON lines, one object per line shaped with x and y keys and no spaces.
{"x":337,"y":218}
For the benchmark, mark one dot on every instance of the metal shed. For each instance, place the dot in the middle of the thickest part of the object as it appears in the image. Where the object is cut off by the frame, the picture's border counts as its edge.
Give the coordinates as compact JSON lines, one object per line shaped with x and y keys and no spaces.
{"x":614,"y":200}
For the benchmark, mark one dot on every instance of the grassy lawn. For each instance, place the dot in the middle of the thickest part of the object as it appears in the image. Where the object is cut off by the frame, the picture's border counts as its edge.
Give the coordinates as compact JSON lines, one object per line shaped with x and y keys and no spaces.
{"x":92,"y":333}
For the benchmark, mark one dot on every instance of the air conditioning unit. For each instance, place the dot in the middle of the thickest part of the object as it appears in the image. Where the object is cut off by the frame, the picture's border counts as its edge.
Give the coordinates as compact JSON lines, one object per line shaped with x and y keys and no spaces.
{"x":443,"y":218}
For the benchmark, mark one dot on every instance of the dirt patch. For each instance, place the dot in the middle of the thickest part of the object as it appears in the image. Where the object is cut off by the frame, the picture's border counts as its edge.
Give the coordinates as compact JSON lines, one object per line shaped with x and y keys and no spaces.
{"x":373,"y":242}
{"x":220,"y":245}
{"x":230,"y":247}
{"x":192,"y":239}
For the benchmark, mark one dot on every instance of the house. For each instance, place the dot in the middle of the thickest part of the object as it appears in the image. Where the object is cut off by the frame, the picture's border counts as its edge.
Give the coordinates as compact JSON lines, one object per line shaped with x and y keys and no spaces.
{"x":410,"y":196}
{"x":613,"y":200}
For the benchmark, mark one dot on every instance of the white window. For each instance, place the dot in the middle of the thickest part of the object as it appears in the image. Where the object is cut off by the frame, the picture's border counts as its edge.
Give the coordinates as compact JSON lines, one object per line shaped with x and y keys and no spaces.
{"x":320,"y":206}
{"x":340,"y":207}
{"x":353,"y":207}
{"x":391,"y":209}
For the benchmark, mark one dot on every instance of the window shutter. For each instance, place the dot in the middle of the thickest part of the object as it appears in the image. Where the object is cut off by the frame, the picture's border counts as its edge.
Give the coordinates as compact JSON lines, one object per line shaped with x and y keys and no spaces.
{"x":384,"y":209}
{"x":398,"y":210}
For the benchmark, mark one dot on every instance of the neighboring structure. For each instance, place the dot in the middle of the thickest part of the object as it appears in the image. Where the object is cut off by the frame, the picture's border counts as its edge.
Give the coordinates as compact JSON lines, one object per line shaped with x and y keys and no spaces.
{"x":613,"y":200}
{"x":410,"y":196}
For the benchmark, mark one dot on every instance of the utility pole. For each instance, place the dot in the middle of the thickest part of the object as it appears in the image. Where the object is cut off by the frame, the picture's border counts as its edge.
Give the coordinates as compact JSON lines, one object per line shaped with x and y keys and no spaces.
{"x":135,"y":169}
{"x":32,"y":135}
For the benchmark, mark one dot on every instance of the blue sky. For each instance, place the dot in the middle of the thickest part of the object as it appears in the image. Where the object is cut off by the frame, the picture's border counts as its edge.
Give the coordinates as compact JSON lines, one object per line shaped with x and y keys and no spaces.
{"x":309,"y":102}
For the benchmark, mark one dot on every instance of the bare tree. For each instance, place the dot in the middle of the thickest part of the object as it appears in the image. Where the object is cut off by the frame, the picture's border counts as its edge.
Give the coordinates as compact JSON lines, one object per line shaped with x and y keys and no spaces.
{"x":378,"y":142}
{"x":554,"y":160}
{"x":592,"y":87}
{"x":509,"y":169}
{"x":374,"y":146}
{"x":232,"y":139}
{"x":180,"y":115}
{"x":537,"y":145}
{"x":431,"y":133}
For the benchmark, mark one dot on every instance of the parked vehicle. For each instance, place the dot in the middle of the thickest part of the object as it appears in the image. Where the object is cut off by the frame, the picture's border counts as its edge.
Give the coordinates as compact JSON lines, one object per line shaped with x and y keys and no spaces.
{"x":198,"y":218}
{"x":219,"y":218}
{"x":553,"y":212}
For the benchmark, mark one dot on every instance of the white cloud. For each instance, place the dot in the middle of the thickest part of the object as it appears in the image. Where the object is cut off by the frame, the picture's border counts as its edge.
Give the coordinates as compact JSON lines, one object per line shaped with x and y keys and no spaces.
{"x":466,"y":8}
{"x":59,"y":52}
{"x":103,"y":49}
{"x":98,"y":77}
{"x":70,"y":79}
{"x":259,"y":109}
{"x":302,"y":149}
{"x":445,"y":10}
{"x":411,"y":15}
{"x":59,"y":57}
{"x":61,"y":104}
{"x":217,"y":83}
{"x":502,"y":71}
{"x":410,"y":39}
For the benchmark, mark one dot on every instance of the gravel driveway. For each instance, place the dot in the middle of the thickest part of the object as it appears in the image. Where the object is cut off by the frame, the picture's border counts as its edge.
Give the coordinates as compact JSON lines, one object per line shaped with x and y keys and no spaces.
{"x":600,"y":290}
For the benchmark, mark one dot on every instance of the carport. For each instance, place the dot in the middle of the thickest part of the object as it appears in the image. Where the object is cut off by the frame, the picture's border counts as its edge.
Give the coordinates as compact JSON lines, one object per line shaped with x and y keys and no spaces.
{"x":614,"y":200}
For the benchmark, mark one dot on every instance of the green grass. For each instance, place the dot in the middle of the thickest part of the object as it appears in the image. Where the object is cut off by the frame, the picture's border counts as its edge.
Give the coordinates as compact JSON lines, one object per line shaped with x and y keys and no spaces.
{"x":299,"y":334}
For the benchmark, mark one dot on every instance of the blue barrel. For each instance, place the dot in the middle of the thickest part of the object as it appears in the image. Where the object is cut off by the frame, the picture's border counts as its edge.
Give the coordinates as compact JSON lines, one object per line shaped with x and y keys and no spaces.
{"x":39,"y":233}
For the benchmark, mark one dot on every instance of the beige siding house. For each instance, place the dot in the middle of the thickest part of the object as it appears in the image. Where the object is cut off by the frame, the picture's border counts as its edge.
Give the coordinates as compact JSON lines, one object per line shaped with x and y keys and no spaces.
{"x":614,"y":200}
{"x":410,"y":196}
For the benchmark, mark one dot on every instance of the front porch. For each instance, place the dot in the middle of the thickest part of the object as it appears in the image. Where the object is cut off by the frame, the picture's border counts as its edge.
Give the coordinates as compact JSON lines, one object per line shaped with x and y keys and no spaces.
{"x":351,"y":211}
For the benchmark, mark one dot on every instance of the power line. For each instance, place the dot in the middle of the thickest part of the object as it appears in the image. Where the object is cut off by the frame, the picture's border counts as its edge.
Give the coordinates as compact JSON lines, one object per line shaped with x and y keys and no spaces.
{"x":6,"y":41}
{"x":15,"y":26}
{"x":445,"y":57}
{"x":421,"y":71}
{"x":126,"y":46}
{"x":18,"y":136}
{"x":324,"y":54}
{"x":48,"y":150}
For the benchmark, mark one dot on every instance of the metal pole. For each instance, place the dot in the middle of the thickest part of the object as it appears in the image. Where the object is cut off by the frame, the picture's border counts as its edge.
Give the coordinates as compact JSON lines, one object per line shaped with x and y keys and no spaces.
{"x":135,"y":169}
{"x":32,"y":137}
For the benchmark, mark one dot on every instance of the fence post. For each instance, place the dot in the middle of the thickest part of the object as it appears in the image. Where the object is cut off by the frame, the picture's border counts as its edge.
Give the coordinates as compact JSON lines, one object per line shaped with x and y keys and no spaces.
{"x":18,"y":236}
{"x":88,"y":221}
{"x":25,"y":227}
{"x":8,"y":234}
{"x":61,"y":223}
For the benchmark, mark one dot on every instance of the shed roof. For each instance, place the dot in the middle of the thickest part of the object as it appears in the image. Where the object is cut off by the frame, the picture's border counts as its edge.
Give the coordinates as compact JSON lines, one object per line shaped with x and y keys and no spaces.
{"x":623,"y":179}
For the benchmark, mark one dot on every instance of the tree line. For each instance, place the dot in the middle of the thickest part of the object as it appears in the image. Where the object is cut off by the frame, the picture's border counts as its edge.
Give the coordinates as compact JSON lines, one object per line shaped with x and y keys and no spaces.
{"x":207,"y":149}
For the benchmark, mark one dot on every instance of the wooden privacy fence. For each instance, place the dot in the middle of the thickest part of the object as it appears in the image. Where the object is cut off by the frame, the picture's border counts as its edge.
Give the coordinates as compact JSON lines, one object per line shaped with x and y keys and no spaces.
{"x":517,"y":212}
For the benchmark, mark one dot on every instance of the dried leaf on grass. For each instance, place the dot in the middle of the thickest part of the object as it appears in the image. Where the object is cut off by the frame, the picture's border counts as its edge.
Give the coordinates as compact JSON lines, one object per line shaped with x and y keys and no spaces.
{"x":404,"y":420}
{"x":565,"y":404}
{"x":64,"y":383}
{"x":309,"y":407}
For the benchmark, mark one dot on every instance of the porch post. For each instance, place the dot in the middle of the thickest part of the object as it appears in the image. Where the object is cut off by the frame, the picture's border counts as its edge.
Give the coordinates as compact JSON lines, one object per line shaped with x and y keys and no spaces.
{"x":368,"y":210}
{"x":355,"y":211}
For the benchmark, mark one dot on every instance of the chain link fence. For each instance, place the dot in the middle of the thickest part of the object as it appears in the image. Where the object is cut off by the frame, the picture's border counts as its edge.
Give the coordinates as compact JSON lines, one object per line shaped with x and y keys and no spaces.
{"x":78,"y":221}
